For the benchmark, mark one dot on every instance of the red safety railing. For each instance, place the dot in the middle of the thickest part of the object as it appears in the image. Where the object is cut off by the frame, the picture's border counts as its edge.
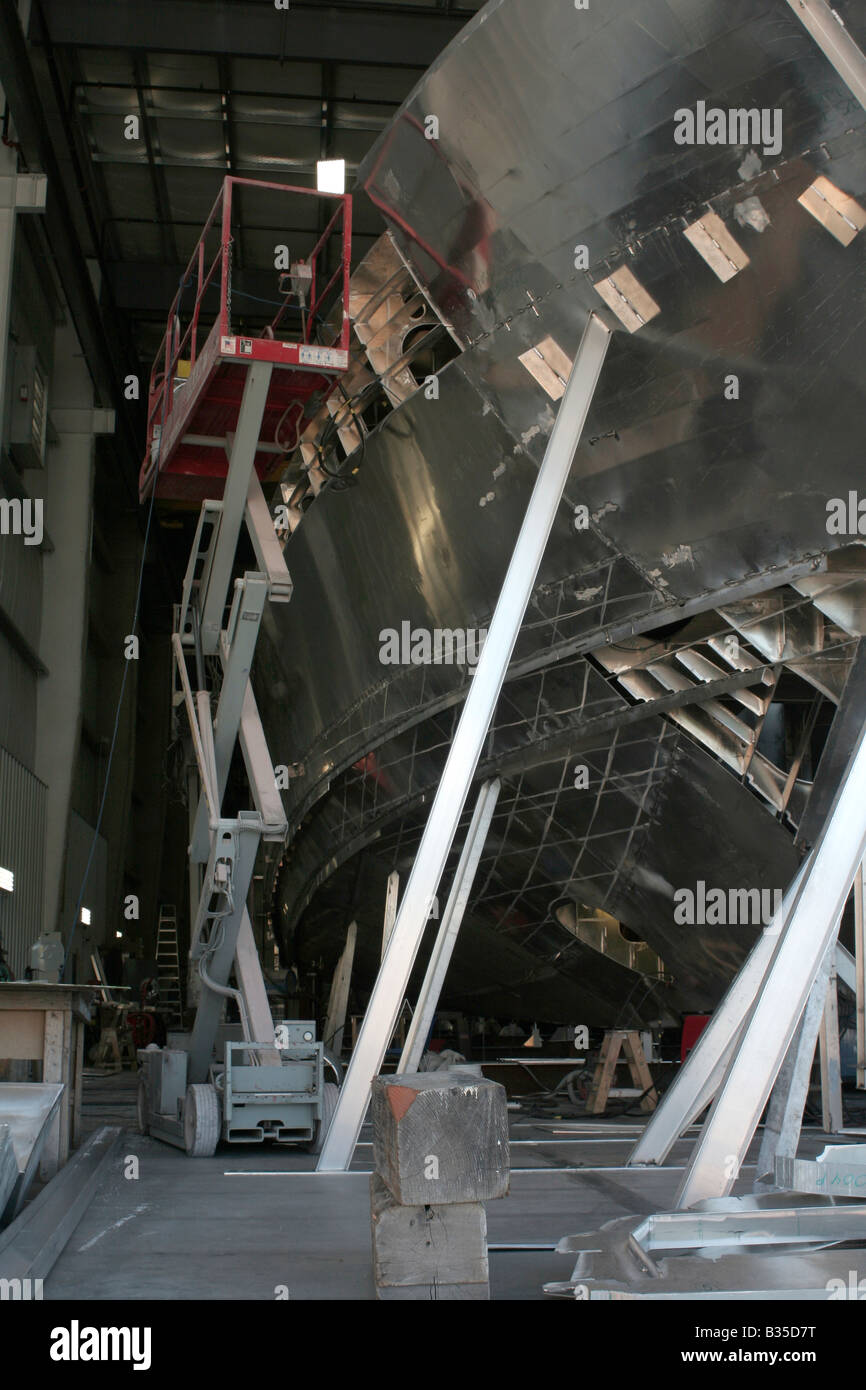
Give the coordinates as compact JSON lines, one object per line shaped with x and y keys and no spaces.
{"x":183,"y":344}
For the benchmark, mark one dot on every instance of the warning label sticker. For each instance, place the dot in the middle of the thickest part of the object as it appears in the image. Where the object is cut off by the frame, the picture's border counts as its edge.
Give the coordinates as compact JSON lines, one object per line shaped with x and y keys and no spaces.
{"x":314,"y":356}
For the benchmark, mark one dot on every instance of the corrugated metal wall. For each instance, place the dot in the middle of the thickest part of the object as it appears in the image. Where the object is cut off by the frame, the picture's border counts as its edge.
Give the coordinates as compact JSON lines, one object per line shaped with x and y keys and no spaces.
{"x":21,"y":605}
{"x":18,"y":694}
{"x":79,"y":845}
{"x":22,"y":841}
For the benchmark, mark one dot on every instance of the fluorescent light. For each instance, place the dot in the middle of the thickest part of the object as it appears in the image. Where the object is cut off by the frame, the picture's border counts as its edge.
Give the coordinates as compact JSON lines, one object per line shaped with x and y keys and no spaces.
{"x":7,"y":880}
{"x":331,"y":175}
{"x":85,"y":916}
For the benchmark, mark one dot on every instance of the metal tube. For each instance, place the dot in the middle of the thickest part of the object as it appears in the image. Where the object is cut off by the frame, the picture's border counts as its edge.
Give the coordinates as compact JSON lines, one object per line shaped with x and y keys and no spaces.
{"x":765,"y":1038}
{"x":831,"y":1062}
{"x":225,"y":257}
{"x":205,"y":725}
{"x":222,"y":551}
{"x":701,"y":1074}
{"x":393,"y":978}
{"x":835,"y":43}
{"x":226,"y":992}
{"x":446,"y":938}
{"x":204,"y":770}
{"x":788,"y":1101}
{"x":860,"y":976}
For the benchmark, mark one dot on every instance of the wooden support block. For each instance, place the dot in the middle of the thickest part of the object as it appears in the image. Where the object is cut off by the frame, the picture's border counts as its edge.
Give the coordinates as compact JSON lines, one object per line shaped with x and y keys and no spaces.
{"x":338,"y":1000}
{"x":439,"y":1137}
{"x":434,"y":1293}
{"x":56,"y":1143}
{"x":428,"y":1252}
{"x":77,"y":1078}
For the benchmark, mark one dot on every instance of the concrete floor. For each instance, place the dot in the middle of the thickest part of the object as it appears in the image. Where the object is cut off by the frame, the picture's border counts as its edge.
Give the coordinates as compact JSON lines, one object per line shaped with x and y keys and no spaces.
{"x":252,"y":1219}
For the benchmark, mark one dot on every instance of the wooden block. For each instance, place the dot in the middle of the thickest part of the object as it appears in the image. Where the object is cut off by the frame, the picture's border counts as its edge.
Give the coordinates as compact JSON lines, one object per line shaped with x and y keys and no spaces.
{"x":434,"y":1293}
{"x":440,"y":1138}
{"x":427,"y":1247}
{"x":56,"y":1143}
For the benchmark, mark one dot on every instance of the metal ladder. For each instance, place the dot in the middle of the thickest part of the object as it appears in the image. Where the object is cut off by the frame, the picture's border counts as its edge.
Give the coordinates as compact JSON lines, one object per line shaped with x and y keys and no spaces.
{"x":168,"y":962}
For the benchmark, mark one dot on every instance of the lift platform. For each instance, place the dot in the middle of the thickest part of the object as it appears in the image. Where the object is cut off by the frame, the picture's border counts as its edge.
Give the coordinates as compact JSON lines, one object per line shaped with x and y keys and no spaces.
{"x":200,"y":371}
{"x":220,"y":420}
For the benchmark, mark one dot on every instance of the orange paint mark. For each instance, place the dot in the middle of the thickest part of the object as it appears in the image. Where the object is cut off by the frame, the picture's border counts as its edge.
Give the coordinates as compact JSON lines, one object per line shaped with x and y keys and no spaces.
{"x":400,"y":1098}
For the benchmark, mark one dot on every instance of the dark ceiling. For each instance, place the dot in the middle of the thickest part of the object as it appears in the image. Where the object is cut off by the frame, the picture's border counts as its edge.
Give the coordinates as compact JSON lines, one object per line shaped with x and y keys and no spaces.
{"x":218,"y":86}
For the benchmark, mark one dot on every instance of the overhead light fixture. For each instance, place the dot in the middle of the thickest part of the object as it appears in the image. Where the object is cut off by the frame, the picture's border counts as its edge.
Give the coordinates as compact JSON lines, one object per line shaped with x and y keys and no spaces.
{"x":7,"y":880}
{"x":85,"y":916}
{"x":331,"y":175}
{"x":118,"y":933}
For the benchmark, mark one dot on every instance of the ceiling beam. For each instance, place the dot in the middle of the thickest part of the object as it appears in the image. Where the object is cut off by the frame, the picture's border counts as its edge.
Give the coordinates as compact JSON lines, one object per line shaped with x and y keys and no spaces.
{"x":157,"y":172}
{"x":379,"y":35}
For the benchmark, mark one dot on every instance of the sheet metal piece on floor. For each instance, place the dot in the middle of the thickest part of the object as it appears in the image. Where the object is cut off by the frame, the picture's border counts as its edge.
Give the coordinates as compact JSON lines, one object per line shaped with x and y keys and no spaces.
{"x":28,"y":1109}
{"x":31,"y":1245}
{"x":8,"y":1168}
{"x":840,"y":1171}
{"x":615,"y":1262}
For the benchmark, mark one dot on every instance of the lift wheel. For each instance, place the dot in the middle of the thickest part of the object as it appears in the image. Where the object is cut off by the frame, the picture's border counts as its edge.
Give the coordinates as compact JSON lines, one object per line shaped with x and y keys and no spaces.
{"x":202,"y":1120}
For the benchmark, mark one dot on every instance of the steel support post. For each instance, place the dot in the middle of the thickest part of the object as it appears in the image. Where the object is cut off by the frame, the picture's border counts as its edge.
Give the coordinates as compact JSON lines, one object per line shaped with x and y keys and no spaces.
{"x":215,"y":582}
{"x":251,"y":593}
{"x":392,"y":981}
{"x":392,"y":891}
{"x":260,"y":771}
{"x":767,"y":1034}
{"x":251,"y":984}
{"x":446,"y":937}
{"x":193,"y":790}
{"x":269,"y":552}
{"x":845,"y":967}
{"x":700,"y":1076}
{"x":338,"y":1000}
{"x":835,"y":43}
{"x":788,"y":1101}
{"x":235,"y":845}
{"x":831,"y":1061}
{"x":860,"y":976}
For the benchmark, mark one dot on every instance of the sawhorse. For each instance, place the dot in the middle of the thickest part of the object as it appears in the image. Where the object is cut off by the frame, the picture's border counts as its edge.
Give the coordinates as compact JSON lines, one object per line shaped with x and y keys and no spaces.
{"x":616,"y":1041}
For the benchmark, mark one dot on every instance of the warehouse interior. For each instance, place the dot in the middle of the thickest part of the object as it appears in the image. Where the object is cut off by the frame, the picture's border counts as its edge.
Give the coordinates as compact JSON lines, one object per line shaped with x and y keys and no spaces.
{"x":432,"y":677}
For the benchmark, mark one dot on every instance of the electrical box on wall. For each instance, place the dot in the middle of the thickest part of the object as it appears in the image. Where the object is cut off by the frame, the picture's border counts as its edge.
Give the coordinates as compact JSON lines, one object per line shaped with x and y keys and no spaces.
{"x":28,"y":421}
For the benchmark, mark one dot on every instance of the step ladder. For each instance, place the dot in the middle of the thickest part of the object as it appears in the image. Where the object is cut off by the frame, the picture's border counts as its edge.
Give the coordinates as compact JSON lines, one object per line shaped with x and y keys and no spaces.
{"x":168,"y":964}
{"x":616,"y":1041}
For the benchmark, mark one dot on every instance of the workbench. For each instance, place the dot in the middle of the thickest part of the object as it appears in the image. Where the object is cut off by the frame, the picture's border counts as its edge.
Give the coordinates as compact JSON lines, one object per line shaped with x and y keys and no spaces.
{"x":45,"y":1023}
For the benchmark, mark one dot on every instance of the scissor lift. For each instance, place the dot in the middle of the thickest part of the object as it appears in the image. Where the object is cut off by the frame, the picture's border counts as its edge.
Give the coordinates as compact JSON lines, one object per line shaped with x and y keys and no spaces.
{"x":201,"y":368}
{"x":213,"y":431}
